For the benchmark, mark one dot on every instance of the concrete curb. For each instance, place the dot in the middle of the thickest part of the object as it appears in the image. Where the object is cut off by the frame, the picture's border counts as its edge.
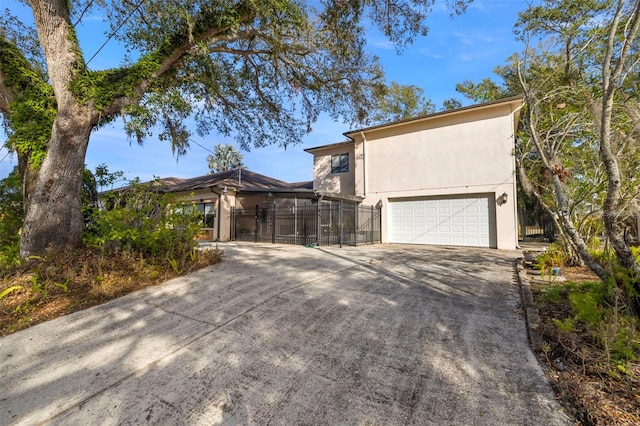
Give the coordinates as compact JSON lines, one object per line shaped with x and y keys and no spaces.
{"x":531,"y":313}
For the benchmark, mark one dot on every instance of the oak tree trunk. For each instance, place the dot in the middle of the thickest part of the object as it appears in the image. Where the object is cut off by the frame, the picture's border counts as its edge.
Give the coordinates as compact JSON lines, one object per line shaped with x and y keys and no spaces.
{"x":53,"y":207}
{"x":53,"y":215}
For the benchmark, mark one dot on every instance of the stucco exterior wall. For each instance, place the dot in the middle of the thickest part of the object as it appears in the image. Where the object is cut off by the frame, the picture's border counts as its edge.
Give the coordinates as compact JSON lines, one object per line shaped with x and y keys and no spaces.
{"x":228,"y":201}
{"x":469,"y":153}
{"x":248,"y":201}
{"x":336,"y":183}
{"x":222,"y":210}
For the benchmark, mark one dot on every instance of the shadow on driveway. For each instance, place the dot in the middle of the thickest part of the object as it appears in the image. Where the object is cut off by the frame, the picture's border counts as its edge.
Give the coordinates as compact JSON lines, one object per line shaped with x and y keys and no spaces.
{"x":290,"y":335}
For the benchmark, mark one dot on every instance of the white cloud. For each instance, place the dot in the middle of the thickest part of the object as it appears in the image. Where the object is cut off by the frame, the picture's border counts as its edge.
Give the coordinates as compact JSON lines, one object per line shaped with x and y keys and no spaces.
{"x":426,"y":52}
{"x":381,"y":44}
{"x":465,"y":57}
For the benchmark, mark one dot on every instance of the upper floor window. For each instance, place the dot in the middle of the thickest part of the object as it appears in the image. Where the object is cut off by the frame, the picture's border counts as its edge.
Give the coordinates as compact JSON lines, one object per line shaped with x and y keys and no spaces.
{"x":340,"y":163}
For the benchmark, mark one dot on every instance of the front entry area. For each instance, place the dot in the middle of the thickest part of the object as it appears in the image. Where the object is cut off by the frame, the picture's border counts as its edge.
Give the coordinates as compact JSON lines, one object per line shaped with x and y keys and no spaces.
{"x":465,"y":220}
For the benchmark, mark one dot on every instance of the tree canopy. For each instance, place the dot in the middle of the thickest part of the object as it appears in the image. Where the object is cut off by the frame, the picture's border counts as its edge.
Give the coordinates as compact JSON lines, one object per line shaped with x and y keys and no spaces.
{"x":398,"y":102}
{"x":260,"y":70}
{"x":578,"y":153}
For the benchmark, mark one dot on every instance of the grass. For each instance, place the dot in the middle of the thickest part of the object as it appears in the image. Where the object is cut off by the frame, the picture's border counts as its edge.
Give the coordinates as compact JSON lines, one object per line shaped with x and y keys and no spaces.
{"x":48,"y":288}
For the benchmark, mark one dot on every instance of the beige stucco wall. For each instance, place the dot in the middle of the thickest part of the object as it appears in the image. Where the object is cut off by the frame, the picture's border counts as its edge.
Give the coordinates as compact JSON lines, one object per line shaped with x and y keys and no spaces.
{"x":222,"y":211}
{"x":248,"y":201}
{"x":336,"y":183}
{"x":465,"y":153}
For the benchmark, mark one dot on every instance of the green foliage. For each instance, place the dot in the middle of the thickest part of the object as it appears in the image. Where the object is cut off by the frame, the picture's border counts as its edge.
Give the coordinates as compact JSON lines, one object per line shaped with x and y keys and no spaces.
{"x":7,"y":291}
{"x":621,"y":339}
{"x":485,"y":91}
{"x":64,"y":286}
{"x":451,"y":103}
{"x":554,"y":256}
{"x":225,"y":157}
{"x":102,"y":87}
{"x":586,"y":307}
{"x":603,"y":310}
{"x":142,"y":220}
{"x":398,"y":102}
{"x":555,"y":293}
{"x":38,"y":286}
{"x":105,"y":179}
{"x":11,"y":215}
{"x":33,"y":109}
{"x":568,"y":325}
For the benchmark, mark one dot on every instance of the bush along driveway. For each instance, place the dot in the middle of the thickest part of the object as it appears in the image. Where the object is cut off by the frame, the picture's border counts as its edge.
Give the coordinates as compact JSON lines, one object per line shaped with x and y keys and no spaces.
{"x":289,"y":335}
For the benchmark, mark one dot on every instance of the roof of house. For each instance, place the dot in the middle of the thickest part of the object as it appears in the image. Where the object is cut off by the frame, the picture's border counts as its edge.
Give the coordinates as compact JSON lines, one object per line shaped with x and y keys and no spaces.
{"x":331,"y":145}
{"x":301,"y":185}
{"x":244,"y":180}
{"x":239,"y":179}
{"x":512,"y":99}
{"x":169,"y":181}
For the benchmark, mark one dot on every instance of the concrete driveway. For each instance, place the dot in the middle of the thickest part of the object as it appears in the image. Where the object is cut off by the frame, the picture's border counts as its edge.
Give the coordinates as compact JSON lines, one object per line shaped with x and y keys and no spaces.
{"x":292,"y":335}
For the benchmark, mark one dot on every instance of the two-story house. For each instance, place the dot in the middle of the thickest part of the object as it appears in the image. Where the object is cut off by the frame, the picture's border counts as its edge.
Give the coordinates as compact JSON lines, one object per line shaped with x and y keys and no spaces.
{"x":447,"y":178}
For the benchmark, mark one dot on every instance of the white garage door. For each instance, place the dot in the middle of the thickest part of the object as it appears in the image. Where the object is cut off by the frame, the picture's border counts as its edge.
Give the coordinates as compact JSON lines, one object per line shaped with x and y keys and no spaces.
{"x":456,"y":221}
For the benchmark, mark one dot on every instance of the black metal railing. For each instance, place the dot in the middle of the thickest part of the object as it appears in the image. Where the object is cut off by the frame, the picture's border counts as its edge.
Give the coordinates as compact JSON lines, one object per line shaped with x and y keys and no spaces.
{"x":324,"y":224}
{"x":535,"y":226}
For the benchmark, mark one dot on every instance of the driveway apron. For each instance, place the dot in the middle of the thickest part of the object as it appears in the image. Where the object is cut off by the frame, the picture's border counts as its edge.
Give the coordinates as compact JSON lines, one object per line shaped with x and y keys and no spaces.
{"x":274,"y":334}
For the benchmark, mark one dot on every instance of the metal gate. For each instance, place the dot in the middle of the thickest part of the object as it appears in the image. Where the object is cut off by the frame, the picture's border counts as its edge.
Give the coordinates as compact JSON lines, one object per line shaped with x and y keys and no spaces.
{"x":326,"y":223}
{"x":535,"y":225}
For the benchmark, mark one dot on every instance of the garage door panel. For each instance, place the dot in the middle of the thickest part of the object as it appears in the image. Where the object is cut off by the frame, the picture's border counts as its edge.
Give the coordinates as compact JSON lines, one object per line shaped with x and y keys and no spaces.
{"x":462,"y":220}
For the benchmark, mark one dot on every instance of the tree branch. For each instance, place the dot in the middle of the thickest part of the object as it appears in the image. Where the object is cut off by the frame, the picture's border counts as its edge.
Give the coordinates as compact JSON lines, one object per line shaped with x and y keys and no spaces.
{"x":174,"y":58}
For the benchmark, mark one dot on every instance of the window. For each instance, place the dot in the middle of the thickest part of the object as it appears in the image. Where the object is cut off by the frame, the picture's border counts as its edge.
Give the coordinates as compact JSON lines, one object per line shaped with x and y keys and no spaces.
{"x":208,"y":214}
{"x":339,"y":163}
{"x":206,"y":211}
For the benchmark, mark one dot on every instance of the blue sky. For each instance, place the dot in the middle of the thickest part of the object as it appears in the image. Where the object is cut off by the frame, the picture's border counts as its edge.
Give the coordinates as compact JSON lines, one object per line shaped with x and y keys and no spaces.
{"x":468,"y":46}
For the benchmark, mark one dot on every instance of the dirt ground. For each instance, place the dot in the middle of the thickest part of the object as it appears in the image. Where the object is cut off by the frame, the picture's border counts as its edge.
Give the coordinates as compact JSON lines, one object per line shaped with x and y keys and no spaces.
{"x":291,"y":335}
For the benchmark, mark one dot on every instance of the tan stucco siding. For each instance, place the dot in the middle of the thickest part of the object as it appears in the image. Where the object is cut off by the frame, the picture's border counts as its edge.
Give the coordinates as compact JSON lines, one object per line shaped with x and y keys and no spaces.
{"x":248,"y":201}
{"x":466,"y":154}
{"x":324,"y":180}
{"x":222,"y":210}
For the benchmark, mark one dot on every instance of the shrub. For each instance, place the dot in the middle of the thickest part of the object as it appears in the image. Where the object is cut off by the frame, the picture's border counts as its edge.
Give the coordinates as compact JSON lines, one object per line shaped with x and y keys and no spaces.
{"x":555,"y":256}
{"x":11,"y":216}
{"x":603,"y":309}
{"x":141,"y":219}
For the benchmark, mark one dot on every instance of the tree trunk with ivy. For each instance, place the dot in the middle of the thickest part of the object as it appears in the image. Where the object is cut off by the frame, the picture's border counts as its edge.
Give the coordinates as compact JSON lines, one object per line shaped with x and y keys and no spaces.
{"x":53,"y":216}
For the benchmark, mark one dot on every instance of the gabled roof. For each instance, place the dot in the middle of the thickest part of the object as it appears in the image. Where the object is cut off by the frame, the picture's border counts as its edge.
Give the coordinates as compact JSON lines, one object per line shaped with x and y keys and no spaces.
{"x":301,"y":185}
{"x":170,"y":181}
